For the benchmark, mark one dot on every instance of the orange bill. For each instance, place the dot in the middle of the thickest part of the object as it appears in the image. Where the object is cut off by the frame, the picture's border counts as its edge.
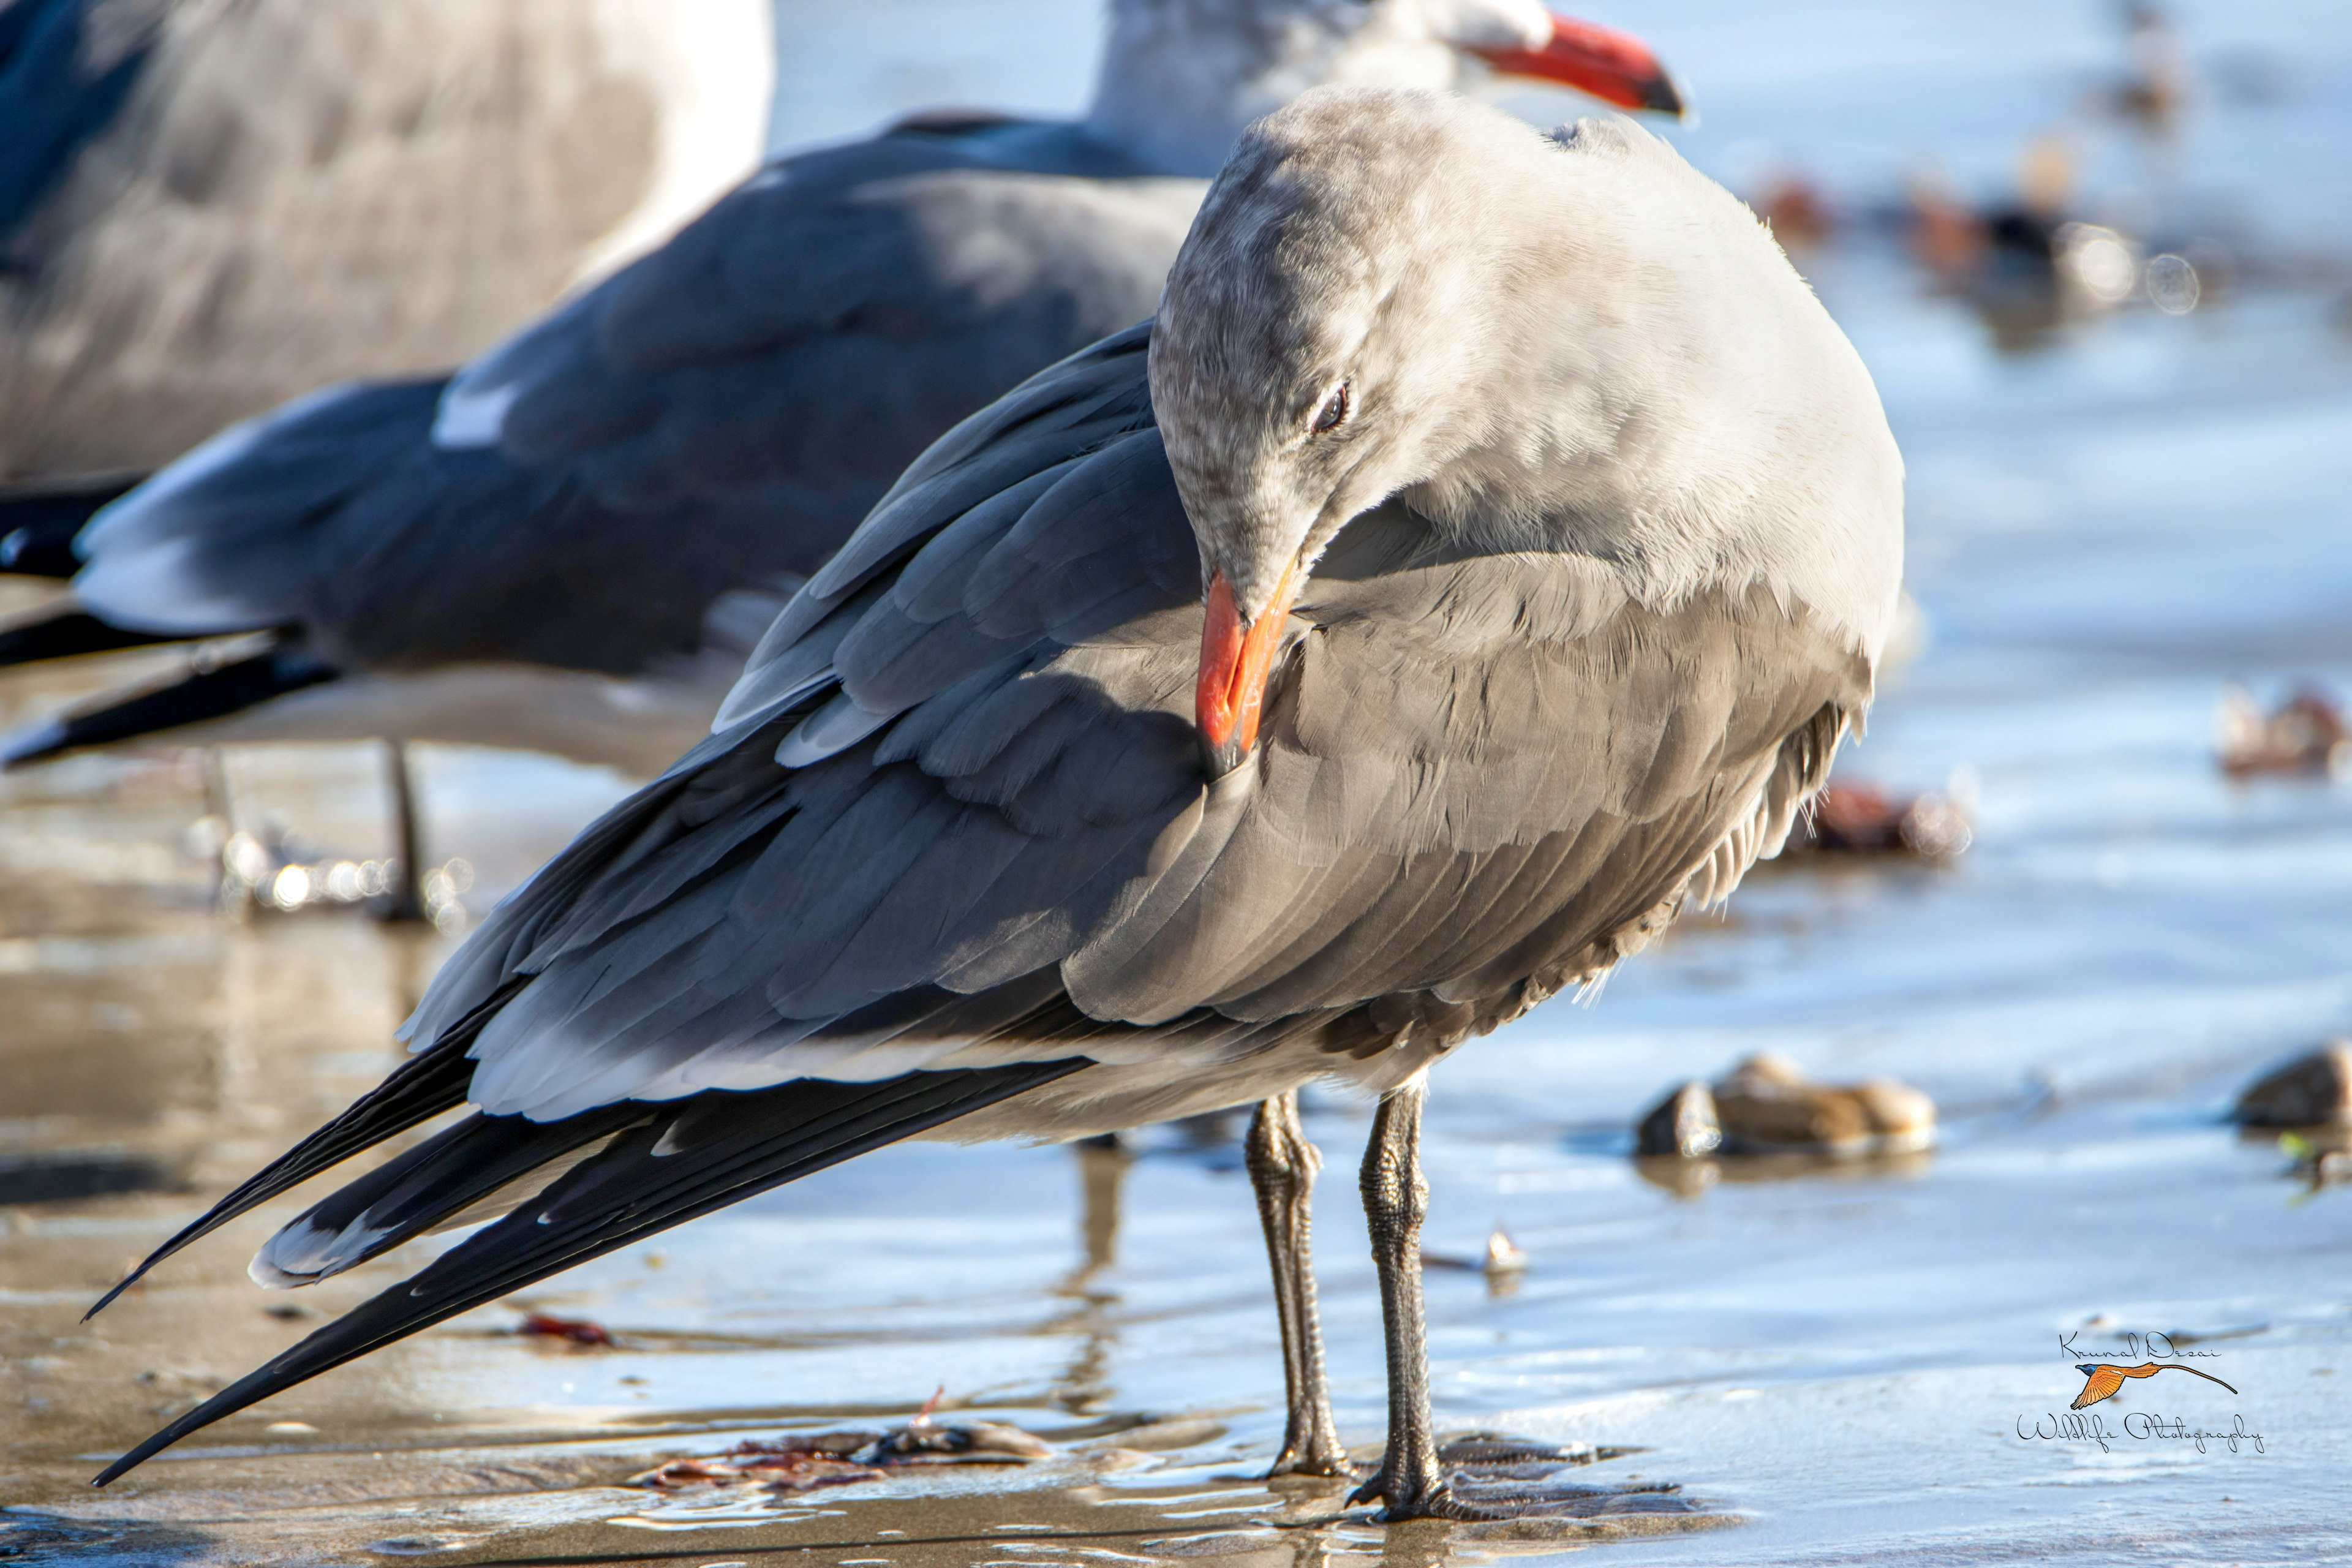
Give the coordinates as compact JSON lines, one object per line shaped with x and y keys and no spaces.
{"x":1234,"y":662}
{"x":1613,"y":66}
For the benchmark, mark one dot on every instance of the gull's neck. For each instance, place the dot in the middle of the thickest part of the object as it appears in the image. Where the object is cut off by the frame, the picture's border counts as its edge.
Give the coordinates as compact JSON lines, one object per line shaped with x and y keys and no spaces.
{"x":1180,"y":79}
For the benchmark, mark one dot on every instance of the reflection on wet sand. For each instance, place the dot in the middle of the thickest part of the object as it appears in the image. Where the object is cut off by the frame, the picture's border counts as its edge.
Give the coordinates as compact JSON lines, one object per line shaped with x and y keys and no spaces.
{"x":1085,"y":1385}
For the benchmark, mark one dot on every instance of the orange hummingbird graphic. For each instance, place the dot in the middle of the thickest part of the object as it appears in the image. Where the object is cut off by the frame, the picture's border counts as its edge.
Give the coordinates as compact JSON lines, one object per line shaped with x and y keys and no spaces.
{"x":2102,"y":1379}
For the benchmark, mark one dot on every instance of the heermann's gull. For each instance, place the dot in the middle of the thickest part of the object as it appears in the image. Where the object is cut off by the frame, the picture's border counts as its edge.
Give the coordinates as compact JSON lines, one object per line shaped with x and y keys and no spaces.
{"x":206,"y":209}
{"x":1550,"y":531}
{"x":571,"y":545}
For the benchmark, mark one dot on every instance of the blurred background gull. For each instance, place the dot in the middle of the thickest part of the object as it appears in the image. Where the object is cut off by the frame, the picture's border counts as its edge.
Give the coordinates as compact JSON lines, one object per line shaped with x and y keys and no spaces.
{"x":2088,"y":875}
{"x":207,"y":207}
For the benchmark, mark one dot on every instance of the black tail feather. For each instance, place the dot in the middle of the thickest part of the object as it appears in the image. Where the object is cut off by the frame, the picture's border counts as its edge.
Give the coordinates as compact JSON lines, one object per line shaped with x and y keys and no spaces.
{"x":412,"y":1192}
{"x":207,"y":694}
{"x":39,"y":521}
{"x":687,"y":1158}
{"x":418,"y":1090}
{"x":69,"y":633}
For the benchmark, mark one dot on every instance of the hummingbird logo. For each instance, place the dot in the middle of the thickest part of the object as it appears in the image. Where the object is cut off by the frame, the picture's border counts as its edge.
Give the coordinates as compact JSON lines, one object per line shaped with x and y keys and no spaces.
{"x":2102,"y":1379}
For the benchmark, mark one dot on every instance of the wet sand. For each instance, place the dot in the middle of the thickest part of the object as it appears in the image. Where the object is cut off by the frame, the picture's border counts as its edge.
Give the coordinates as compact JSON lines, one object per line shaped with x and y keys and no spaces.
{"x":1836,"y":1361}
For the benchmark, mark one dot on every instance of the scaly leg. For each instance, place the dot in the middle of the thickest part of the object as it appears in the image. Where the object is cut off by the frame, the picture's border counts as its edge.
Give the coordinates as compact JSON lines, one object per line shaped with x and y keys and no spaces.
{"x":1282,"y":1166}
{"x":1412,"y":1480}
{"x":1396,"y":1199}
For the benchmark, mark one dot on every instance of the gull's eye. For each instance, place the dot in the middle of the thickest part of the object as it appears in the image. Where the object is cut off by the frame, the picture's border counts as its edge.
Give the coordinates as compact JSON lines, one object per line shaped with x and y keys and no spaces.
{"x":1334,"y":410}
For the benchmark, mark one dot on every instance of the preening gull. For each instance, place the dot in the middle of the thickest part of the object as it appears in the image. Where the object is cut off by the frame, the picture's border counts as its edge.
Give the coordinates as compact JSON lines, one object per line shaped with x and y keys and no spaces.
{"x":208,"y":208}
{"x":1478,"y":560}
{"x":570,"y":545}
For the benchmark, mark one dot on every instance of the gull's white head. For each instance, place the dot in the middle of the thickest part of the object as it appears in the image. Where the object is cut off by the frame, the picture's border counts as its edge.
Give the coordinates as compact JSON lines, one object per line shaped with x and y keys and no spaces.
{"x":1181,"y":78}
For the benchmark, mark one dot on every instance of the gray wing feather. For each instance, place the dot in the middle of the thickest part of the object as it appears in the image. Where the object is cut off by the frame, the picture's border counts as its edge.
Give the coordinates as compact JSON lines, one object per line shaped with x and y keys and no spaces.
{"x":713,"y":418}
{"x":824,"y":322}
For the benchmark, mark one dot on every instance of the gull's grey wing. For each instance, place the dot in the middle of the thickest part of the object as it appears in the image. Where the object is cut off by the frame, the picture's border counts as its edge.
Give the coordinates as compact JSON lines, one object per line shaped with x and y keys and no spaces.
{"x":233,"y":535}
{"x":824,"y":322}
{"x":336,"y":520}
{"x":715,"y":416}
{"x":955,"y":856}
{"x":67,"y":68}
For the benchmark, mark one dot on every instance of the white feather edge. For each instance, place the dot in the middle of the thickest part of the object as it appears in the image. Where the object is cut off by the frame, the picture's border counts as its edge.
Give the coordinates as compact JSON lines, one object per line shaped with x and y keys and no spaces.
{"x":137,"y":551}
{"x":303,"y":1253}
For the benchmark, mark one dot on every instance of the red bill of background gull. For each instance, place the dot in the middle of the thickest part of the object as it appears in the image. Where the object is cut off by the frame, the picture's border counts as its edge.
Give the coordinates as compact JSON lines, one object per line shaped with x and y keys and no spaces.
{"x":208,"y":208}
{"x":571,"y":545}
{"x":1562,"y":529}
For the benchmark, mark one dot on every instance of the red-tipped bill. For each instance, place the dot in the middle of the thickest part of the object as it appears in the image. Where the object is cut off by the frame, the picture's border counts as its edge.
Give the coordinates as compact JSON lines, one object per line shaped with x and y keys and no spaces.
{"x":1613,"y":66}
{"x":1235,"y":661}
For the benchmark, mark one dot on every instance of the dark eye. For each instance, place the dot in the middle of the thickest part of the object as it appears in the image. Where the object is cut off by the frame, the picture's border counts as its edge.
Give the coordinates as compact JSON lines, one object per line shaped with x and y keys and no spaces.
{"x":1334,"y":410}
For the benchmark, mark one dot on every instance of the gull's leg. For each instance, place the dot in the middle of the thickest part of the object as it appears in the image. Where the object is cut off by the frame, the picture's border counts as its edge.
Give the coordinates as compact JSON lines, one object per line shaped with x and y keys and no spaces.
{"x":1412,"y":1480}
{"x":407,"y":901}
{"x":1396,"y":1198}
{"x":1282,"y":1166}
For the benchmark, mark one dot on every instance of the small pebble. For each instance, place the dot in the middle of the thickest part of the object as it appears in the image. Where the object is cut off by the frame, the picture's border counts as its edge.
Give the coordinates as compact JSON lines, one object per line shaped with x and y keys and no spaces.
{"x":1863,"y":819}
{"x":1766,"y":1105}
{"x":1684,"y":1123}
{"x":1504,"y":1256}
{"x":2315,"y":1090}
{"x":2305,"y":734}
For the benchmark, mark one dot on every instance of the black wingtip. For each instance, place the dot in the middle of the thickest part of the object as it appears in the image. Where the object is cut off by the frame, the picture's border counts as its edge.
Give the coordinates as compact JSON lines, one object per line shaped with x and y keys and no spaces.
{"x":205,"y":694}
{"x":250,"y":1389}
{"x":737,"y":1144}
{"x":125,"y":1283}
{"x":68,"y":634}
{"x":418,"y":1090}
{"x":39,"y":519}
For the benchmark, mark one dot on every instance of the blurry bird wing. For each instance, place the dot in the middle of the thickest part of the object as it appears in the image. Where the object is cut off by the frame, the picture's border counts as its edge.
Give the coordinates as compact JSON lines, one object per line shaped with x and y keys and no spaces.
{"x":714,"y":417}
{"x":815,"y":330}
{"x":1485,"y":776}
{"x":335,"y":517}
{"x":719,"y":415}
{"x":233,"y":536}
{"x":67,"y":70}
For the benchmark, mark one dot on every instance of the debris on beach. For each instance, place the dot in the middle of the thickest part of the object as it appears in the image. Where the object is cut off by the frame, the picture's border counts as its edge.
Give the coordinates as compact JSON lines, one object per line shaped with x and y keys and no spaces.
{"x":1683,"y":1125}
{"x":1503,"y":1259}
{"x":2307,"y":1105}
{"x":2305,"y":734}
{"x":802,"y":1461}
{"x":927,"y":1441}
{"x":2320,"y":1159}
{"x":1863,"y":819}
{"x":1504,"y":1256}
{"x":571,"y":1331}
{"x":1766,"y":1105}
{"x":798,"y":1463}
{"x":2314,"y":1091}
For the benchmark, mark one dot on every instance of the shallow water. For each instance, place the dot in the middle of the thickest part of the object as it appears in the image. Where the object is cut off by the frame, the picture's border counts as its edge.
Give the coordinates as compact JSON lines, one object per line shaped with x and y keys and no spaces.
{"x":1844,"y":1362}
